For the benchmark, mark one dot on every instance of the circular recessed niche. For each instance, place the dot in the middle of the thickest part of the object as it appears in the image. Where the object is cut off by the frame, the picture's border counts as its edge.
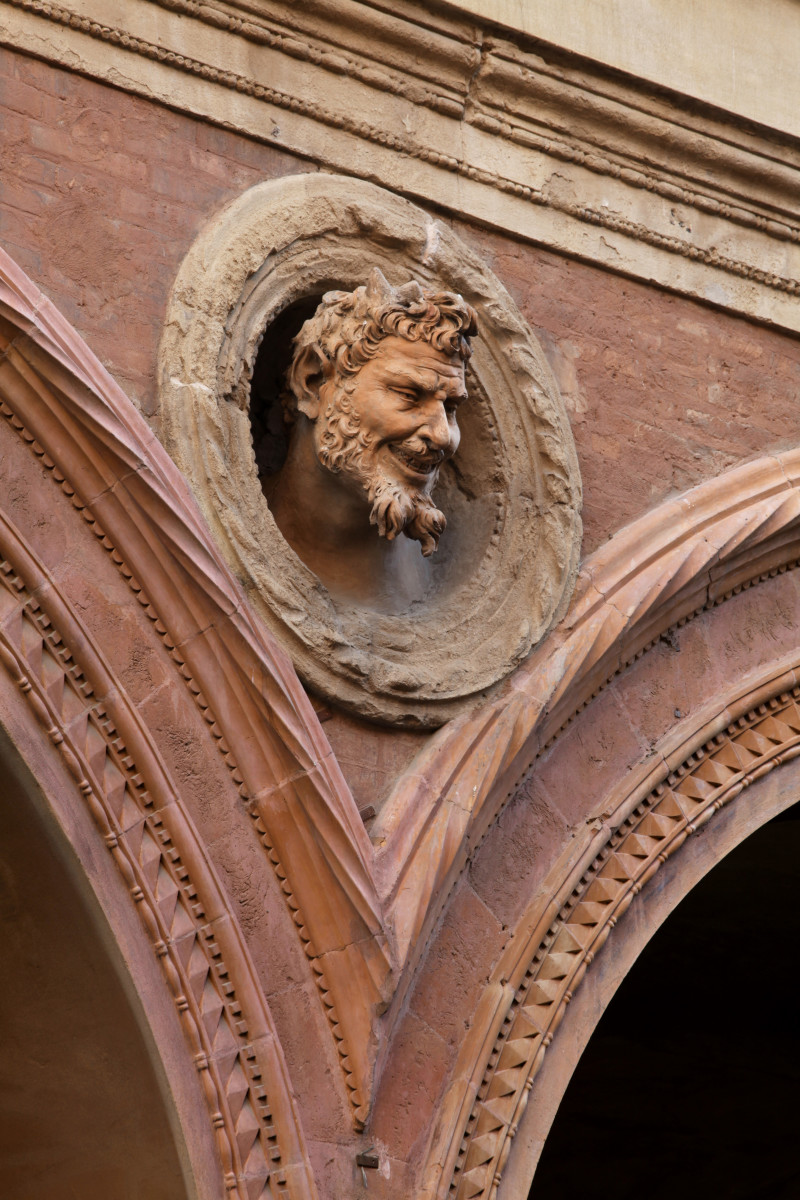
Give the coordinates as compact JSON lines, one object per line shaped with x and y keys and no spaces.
{"x":506,"y":562}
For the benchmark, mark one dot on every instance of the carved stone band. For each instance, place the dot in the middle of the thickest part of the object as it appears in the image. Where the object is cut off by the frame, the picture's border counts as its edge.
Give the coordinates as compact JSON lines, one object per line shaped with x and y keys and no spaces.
{"x":512,"y":493}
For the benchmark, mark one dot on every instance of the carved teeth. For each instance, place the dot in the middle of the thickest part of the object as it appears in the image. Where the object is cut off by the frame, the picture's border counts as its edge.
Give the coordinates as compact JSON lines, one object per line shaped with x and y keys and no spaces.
{"x":423,"y":464}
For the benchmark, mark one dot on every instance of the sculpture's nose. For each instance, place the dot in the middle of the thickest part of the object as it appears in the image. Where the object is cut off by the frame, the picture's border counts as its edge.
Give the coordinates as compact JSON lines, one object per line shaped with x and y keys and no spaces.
{"x":437,"y":429}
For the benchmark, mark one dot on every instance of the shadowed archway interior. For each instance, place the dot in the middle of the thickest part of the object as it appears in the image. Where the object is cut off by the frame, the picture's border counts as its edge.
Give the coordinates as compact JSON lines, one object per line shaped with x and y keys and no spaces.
{"x":693,"y":1093}
{"x":80,"y":1110}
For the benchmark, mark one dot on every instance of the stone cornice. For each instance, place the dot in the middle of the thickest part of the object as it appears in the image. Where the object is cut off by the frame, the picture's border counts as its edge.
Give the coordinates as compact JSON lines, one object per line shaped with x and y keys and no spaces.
{"x":717,"y":52}
{"x":435,"y":106}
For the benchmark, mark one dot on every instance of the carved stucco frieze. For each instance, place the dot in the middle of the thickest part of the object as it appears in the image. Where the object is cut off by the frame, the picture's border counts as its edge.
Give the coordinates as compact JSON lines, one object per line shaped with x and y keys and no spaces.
{"x":512,"y":493}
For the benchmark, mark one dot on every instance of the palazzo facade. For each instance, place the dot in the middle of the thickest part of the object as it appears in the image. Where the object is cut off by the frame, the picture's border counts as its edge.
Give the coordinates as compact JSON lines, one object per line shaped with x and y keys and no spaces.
{"x":309,"y":905}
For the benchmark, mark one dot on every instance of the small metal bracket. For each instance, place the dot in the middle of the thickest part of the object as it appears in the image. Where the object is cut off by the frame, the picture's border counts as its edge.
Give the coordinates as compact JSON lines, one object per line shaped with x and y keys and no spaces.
{"x":369,"y":1160}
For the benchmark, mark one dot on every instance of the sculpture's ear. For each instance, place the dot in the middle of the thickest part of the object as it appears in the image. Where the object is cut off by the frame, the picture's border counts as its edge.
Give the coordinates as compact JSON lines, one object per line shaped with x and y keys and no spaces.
{"x":309,"y":371}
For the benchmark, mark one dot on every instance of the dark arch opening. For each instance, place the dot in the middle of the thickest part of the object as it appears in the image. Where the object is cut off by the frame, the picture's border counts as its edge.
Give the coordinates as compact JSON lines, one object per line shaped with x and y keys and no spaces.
{"x":81,"y":1114}
{"x":689,"y":1085}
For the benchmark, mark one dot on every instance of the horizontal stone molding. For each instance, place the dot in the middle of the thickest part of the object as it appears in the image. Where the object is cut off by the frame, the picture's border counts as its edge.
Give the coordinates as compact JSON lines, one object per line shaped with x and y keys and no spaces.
{"x":550,"y":147}
{"x":669,"y":45}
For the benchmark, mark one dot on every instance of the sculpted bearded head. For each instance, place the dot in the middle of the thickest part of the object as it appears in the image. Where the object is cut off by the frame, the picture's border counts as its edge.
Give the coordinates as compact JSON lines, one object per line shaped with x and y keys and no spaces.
{"x":379,"y":373}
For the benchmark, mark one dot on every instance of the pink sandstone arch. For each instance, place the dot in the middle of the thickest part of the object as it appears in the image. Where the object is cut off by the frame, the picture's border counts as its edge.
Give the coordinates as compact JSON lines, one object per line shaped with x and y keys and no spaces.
{"x":685,"y":731}
{"x":657,"y":818}
{"x":325,"y":982}
{"x":94,"y":532}
{"x":765,"y":798}
{"x":94,"y":1094}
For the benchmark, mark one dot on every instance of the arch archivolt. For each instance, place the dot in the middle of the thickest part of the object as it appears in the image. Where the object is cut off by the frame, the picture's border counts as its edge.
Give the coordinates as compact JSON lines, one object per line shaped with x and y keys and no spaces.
{"x":685,"y":558}
{"x":135,"y":806}
{"x":650,"y":825}
{"x":765,"y":797}
{"x":53,"y":656}
{"x":83,"y":431}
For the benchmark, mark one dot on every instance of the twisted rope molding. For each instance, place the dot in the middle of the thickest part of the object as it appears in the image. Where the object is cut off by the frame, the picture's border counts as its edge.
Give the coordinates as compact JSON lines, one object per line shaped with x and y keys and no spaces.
{"x":656,"y":574}
{"x":133,"y":803}
{"x":405,"y":145}
{"x":676,"y":806}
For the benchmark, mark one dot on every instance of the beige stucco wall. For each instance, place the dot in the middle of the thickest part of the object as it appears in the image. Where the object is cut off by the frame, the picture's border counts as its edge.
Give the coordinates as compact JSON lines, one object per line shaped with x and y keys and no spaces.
{"x":741,"y":55}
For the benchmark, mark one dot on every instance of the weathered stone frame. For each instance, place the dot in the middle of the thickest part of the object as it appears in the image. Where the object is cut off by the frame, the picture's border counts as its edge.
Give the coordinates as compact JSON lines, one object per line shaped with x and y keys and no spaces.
{"x":513,"y":559}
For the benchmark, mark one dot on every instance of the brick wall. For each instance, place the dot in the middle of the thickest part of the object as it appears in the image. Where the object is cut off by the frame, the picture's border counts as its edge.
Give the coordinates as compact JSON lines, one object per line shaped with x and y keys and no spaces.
{"x":103,"y":193}
{"x":662,"y":392}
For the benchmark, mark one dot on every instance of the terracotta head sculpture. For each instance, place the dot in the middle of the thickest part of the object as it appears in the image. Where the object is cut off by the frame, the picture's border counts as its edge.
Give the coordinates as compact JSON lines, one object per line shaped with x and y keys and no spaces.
{"x":373,"y":391}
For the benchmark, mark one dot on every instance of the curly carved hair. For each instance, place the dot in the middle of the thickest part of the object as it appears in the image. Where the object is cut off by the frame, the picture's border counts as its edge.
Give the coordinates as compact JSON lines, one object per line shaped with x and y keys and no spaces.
{"x":348,"y":327}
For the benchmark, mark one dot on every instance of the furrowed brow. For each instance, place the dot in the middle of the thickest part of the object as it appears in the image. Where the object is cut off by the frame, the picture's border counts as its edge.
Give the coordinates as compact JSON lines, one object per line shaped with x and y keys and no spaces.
{"x":412,"y":382}
{"x":425,"y":380}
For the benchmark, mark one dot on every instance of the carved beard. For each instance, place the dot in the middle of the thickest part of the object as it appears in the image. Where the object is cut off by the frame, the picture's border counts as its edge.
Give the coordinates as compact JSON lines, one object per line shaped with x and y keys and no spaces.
{"x":345,"y":448}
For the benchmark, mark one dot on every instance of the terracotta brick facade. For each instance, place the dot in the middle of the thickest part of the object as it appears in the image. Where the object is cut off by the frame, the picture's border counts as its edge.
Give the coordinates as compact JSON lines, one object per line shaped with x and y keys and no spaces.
{"x":346,"y":946}
{"x":104,"y":193}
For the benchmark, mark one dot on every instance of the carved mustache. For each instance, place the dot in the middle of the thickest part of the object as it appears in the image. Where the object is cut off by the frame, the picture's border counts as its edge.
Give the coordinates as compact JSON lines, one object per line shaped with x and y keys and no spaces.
{"x":419,"y":454}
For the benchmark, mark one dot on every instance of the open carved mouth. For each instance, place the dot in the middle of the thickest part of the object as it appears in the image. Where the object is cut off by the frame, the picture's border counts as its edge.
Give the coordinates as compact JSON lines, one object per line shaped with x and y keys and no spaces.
{"x":422,"y":463}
